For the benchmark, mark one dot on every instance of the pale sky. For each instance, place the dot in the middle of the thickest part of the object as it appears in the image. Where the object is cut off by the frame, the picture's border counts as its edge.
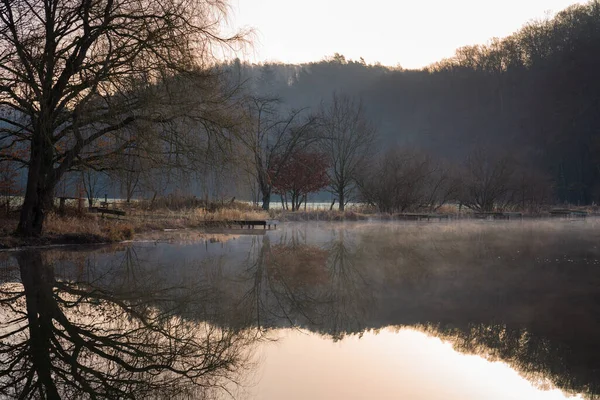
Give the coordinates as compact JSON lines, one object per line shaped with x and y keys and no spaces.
{"x":410,"y":33}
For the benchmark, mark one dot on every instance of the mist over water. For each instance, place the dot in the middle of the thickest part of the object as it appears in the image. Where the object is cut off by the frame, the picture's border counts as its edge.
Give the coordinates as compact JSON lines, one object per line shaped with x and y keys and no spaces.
{"x":435,"y":310}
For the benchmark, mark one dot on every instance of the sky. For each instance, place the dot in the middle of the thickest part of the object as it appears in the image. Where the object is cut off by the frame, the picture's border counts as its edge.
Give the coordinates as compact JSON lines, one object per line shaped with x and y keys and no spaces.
{"x":411,"y":34}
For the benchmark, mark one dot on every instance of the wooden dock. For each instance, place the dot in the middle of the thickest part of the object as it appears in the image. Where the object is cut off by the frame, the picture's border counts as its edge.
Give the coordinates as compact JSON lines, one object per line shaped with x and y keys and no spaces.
{"x":568,"y":213}
{"x":419,"y":217}
{"x":253,"y":223}
{"x":498,"y":215}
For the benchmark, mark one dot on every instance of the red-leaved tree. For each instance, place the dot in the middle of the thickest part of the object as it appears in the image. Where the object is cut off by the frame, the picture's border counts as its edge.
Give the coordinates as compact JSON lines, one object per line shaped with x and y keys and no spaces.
{"x":302,"y":173}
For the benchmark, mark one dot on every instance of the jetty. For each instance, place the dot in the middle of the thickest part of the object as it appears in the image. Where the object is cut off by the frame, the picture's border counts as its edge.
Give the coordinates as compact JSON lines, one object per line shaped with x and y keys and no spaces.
{"x":419,"y":217}
{"x":498,"y":215}
{"x":251,"y":224}
{"x":568,"y":213}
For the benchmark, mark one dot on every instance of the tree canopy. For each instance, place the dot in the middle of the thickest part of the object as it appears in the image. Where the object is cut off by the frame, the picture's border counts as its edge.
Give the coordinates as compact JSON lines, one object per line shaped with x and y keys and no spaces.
{"x":73,"y":73}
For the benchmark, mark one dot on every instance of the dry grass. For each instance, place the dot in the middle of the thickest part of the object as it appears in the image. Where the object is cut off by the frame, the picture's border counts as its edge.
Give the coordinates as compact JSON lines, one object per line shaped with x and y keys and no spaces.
{"x":322,"y":215}
{"x":83,"y":227}
{"x":448,"y":209}
{"x":144,"y":220}
{"x":111,"y":230}
{"x":187,"y":236}
{"x":232,"y":214}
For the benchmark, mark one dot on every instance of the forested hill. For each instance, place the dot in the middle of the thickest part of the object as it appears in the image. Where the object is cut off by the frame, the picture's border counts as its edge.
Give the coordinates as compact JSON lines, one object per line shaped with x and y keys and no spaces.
{"x":533,"y":95}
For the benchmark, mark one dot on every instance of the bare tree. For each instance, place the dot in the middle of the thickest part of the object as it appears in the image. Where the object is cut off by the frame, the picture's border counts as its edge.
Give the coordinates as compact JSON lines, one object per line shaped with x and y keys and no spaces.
{"x":271,"y":137}
{"x":442,"y":186}
{"x":532,"y":188}
{"x":128,"y":172}
{"x":487,"y":182}
{"x":407,"y":179}
{"x":397,"y":181}
{"x":93,"y":184}
{"x":73,"y":72}
{"x":347,"y":137}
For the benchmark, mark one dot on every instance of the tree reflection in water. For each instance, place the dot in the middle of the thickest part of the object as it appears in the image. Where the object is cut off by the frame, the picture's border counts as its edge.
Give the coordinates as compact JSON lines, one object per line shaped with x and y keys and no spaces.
{"x":68,"y":339}
{"x":292,"y":283}
{"x":525,"y":293}
{"x":491,"y":291}
{"x":569,"y":366}
{"x":282,"y":284}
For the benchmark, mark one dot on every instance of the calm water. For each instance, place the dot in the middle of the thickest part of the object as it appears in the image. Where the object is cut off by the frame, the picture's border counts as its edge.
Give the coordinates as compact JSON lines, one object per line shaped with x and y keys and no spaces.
{"x":459,"y":310}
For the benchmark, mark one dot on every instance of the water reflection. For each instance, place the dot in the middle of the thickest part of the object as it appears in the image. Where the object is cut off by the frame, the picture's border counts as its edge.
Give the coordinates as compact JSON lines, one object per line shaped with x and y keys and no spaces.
{"x":294,"y":283}
{"x":524,"y":294}
{"x":175,"y":319}
{"x":399,"y":363}
{"x":118,"y":334}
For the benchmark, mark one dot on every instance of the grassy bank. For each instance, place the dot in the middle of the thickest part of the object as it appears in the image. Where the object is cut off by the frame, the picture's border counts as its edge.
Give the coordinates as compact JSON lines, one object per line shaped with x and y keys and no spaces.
{"x":75,"y":226}
{"x":82,"y":227}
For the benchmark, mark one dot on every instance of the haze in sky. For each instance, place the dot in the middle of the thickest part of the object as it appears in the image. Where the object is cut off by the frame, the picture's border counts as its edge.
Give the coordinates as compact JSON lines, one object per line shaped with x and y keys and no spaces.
{"x":412,"y":34}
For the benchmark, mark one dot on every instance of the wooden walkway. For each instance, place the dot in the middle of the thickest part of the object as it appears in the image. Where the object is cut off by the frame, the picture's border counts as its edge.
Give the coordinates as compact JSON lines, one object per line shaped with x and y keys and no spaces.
{"x":567,"y":213}
{"x":498,"y":215}
{"x":419,"y":217}
{"x":252,"y":223}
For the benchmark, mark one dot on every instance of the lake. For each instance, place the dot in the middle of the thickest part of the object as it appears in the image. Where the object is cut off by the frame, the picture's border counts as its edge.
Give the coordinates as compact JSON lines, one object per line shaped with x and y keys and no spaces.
{"x":378,"y":310}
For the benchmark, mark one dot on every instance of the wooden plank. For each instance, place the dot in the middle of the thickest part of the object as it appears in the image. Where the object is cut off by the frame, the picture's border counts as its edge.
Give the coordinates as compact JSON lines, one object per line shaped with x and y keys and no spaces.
{"x":498,"y":214}
{"x":411,"y":216}
{"x":253,"y":223}
{"x":103,"y":211}
{"x":249,"y":222}
{"x":438,"y":216}
{"x":565,"y":212}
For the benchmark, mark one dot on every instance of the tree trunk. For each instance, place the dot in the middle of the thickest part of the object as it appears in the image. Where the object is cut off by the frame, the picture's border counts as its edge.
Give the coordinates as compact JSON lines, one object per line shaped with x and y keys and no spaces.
{"x":39,"y":194}
{"x":342,"y":201}
{"x":299,"y":199}
{"x":294,"y":201}
{"x":266,"y":198}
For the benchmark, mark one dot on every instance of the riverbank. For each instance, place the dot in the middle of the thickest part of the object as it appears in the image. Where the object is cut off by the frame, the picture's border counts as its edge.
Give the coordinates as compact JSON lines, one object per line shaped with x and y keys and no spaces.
{"x":83,"y":227}
{"x":73,"y":227}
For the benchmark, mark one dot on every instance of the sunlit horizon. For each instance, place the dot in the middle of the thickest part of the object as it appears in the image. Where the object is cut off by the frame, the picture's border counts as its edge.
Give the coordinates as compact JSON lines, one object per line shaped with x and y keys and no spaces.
{"x":407,"y":34}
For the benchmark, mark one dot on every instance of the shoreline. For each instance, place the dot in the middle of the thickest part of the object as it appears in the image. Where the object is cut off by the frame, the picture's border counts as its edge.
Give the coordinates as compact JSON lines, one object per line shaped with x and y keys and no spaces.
{"x":148,"y":233}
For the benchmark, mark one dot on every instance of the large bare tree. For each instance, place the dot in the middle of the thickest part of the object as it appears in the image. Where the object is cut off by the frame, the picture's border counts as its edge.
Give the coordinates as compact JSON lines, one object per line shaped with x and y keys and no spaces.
{"x":73,"y":72}
{"x":403,"y":179}
{"x":488,"y":180}
{"x":347,"y":138}
{"x":270,"y":136}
